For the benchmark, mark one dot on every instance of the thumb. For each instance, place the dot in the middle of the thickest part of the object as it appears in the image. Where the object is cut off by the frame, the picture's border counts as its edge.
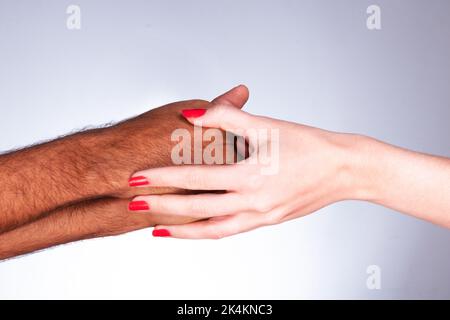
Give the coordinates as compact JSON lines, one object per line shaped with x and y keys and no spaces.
{"x":235,"y":97}
{"x":223,"y":116}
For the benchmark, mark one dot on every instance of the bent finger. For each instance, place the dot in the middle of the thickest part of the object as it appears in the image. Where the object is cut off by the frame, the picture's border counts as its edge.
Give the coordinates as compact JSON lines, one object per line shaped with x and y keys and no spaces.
{"x":212,"y":228}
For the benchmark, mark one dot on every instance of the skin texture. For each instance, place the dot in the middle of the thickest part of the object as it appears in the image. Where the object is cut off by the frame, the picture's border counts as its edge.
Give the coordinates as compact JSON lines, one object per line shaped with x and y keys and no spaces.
{"x":89,"y":219}
{"x":316,"y":168}
{"x":80,"y":190}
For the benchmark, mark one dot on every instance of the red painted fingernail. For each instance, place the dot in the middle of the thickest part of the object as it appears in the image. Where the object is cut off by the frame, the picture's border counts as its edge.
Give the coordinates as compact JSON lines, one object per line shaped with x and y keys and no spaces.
{"x":138,"y":206}
{"x":161,"y":233}
{"x":193,"y":113}
{"x":138,"y":181}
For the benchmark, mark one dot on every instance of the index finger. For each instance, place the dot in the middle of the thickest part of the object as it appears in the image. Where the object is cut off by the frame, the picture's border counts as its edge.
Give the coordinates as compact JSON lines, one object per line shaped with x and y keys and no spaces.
{"x":192,"y":177}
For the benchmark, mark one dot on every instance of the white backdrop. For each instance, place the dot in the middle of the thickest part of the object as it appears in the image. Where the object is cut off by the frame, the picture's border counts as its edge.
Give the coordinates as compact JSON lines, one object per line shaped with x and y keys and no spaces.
{"x":313,"y":62}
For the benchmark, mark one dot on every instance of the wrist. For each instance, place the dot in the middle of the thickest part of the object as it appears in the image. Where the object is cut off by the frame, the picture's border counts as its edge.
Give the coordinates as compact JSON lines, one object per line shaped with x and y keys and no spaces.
{"x":360,"y":156}
{"x":103,"y":165}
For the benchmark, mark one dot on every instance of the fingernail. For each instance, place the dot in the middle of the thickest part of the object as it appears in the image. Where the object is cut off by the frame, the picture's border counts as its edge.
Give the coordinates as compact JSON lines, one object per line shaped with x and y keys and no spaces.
{"x":138,"y":206}
{"x":193,"y":113}
{"x":161,"y":233}
{"x":138,"y":181}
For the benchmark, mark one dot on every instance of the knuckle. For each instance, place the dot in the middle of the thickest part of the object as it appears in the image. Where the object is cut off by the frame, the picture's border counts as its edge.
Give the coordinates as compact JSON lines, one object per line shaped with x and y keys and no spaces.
{"x":220,"y":110}
{"x":271,"y":219}
{"x":197,"y":207}
{"x":160,"y":205}
{"x":194,"y":180}
{"x":255,"y":181}
{"x":275,"y":216}
{"x":217,"y":234}
{"x":263,"y":205}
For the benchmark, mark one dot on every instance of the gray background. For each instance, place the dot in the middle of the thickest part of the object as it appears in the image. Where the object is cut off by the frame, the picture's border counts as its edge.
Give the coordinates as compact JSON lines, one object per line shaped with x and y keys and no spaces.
{"x":313,"y":62}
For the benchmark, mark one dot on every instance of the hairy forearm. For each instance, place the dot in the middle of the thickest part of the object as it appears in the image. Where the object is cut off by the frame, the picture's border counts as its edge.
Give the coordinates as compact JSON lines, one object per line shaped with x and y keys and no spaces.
{"x":90,"y":219}
{"x":43,"y":177}
{"x":411,"y":182}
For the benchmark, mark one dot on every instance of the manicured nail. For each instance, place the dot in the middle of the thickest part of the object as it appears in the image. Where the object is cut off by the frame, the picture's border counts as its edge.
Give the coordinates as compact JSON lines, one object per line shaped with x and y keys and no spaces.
{"x":193,"y":113}
{"x":138,"y":181}
{"x":138,"y":206}
{"x":161,"y":233}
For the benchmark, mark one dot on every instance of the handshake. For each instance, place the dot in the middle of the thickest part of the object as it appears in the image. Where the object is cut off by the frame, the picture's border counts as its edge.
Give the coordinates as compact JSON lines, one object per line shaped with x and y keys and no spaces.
{"x":197,"y":169}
